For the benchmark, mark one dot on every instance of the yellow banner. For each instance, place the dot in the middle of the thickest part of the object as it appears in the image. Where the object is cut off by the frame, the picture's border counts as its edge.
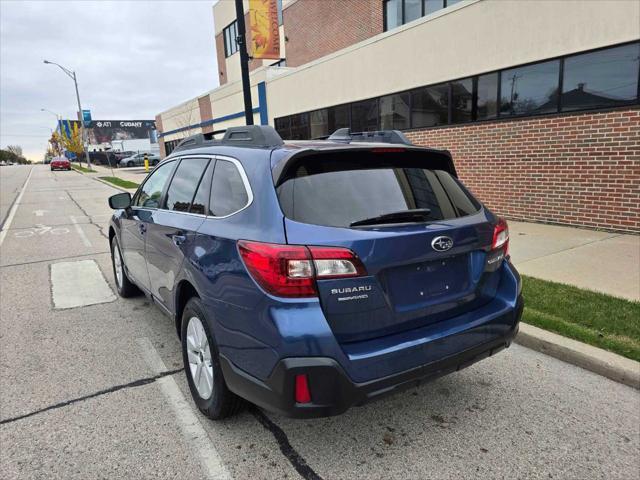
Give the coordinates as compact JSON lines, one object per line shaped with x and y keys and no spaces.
{"x":264,"y":32}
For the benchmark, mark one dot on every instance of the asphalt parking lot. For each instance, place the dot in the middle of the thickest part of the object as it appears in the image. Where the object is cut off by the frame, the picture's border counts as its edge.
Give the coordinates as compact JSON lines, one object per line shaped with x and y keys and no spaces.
{"x":98,"y":391}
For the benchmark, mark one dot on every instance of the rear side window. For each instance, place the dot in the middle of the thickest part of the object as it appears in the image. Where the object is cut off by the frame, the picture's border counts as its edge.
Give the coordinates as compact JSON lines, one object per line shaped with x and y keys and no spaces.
{"x":184,"y":183}
{"x":339,"y":193}
{"x":151,"y":192}
{"x":228,"y":192}
{"x":200,"y":202}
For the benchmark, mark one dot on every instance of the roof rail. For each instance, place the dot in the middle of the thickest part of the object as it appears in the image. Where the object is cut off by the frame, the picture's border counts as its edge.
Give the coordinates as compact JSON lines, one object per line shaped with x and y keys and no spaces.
{"x":383,"y":136}
{"x":247,"y":136}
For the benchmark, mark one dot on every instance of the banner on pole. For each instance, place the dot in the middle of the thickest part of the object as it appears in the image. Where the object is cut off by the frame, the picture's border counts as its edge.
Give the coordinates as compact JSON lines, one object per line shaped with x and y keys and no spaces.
{"x":265,"y":35}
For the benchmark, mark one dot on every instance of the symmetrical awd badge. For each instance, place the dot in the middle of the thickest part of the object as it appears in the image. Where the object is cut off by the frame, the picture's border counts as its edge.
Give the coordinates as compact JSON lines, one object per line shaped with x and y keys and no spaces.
{"x":442,"y":244}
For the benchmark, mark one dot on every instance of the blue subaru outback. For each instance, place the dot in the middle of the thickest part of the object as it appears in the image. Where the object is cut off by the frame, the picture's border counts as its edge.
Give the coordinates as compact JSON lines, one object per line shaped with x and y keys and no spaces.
{"x":310,"y":276}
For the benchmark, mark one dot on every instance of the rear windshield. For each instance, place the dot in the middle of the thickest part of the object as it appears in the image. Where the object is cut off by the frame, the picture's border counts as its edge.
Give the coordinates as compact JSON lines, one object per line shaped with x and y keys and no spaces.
{"x":339,"y":193}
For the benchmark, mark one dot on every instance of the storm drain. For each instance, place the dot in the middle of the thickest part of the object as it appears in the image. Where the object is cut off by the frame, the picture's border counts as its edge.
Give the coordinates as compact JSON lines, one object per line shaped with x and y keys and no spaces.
{"x":77,"y":284}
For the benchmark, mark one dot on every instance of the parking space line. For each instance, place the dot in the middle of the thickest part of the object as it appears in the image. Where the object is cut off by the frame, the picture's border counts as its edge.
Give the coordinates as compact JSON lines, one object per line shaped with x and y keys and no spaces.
{"x":12,"y":213}
{"x":83,"y":237}
{"x":192,"y":430}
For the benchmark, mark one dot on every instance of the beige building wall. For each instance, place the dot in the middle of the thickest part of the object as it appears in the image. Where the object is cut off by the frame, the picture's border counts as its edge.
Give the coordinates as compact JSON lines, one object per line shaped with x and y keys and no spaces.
{"x":472,"y":37}
{"x":469,"y":38}
{"x":224,"y":12}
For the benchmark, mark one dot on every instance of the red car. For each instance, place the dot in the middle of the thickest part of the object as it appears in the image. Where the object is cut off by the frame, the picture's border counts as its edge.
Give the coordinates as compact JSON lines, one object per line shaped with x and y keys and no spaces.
{"x":60,"y":163}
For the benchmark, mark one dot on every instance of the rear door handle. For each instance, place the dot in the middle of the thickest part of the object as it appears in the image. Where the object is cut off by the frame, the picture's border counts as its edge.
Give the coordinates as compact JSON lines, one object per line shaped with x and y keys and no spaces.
{"x":178,"y":239}
{"x":142,"y":228}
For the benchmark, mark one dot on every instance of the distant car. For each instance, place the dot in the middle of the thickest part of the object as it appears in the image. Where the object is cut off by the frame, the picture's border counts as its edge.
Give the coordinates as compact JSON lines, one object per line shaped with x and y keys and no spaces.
{"x":138,"y":160}
{"x":60,"y":163}
{"x":103,"y":158}
{"x":125,"y":154}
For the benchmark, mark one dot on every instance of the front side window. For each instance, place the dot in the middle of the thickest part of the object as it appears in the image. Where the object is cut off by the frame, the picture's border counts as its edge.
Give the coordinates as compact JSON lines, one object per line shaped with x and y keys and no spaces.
{"x":530,"y":90}
{"x":607,"y":78}
{"x":184,"y":183}
{"x":150,"y":194}
{"x":228,"y":192}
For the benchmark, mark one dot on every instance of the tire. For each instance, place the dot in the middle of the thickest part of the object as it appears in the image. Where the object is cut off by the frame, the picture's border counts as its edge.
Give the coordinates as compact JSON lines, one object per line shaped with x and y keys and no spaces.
{"x":126,"y":288}
{"x":154,"y":163}
{"x":131,"y":164}
{"x":220,"y":402}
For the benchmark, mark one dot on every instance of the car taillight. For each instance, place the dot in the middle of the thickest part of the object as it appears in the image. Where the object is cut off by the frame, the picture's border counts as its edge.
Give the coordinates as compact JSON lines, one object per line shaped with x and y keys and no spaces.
{"x":501,"y":236}
{"x":292,"y":270}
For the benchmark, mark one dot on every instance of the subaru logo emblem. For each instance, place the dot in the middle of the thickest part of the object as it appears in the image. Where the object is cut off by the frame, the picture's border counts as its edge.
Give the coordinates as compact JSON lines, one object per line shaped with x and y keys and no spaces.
{"x":441,"y":244}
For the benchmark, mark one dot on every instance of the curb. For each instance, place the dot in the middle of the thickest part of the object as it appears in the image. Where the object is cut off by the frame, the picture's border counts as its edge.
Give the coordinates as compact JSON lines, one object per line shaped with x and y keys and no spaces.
{"x":614,"y":367}
{"x":97,"y":179}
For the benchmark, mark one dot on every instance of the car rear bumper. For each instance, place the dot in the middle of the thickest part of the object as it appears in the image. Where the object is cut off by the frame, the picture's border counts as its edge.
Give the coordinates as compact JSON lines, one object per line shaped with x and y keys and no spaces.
{"x":333,"y":391}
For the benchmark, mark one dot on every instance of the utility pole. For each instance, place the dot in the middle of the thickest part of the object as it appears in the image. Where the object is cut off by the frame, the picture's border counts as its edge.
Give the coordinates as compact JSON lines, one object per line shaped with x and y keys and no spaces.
{"x":72,"y":75}
{"x":244,"y":63}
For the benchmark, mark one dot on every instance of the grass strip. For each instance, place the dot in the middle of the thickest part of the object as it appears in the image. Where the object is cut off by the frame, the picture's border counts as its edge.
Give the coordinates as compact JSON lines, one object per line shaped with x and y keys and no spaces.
{"x":595,"y":318}
{"x":83,"y":169}
{"x":120,"y":182}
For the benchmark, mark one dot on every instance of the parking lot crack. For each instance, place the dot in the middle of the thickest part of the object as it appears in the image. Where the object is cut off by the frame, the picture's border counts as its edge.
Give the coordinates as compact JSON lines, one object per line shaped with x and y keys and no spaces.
{"x":286,"y":448}
{"x":136,"y":383}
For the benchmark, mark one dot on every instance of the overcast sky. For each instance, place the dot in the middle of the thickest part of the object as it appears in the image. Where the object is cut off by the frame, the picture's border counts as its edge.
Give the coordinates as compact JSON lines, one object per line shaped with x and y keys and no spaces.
{"x":133,"y":59}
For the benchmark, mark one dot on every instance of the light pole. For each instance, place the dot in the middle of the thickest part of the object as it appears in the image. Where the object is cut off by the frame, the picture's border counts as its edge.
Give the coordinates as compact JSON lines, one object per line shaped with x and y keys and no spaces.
{"x":58,"y":117}
{"x":72,"y":76}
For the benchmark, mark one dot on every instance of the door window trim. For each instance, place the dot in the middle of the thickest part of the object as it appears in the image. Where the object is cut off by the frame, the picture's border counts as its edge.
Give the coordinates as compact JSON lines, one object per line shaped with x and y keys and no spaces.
{"x":215,"y":158}
{"x":164,"y":189}
{"x":163,"y":203}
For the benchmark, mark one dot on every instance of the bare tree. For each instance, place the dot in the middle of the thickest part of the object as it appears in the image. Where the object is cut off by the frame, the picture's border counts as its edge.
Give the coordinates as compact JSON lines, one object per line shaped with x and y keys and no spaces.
{"x":17,"y":149}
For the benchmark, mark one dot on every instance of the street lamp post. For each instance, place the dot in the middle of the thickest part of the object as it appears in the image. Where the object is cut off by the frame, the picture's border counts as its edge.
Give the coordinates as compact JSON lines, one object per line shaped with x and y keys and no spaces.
{"x":58,"y":117}
{"x":72,"y":75}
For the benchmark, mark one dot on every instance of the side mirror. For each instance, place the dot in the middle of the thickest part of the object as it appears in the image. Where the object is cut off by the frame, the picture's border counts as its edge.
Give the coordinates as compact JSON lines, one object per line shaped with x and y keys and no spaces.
{"x":120,"y":201}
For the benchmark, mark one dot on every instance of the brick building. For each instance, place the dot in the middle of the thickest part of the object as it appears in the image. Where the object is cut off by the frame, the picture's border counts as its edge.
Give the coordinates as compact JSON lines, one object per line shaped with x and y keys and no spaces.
{"x":537,"y":101}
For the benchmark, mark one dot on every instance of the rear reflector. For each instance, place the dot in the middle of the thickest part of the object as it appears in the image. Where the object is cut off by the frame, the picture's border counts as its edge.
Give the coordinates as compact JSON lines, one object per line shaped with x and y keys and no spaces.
{"x":501,"y":236}
{"x":292,"y":270}
{"x":303,"y":395}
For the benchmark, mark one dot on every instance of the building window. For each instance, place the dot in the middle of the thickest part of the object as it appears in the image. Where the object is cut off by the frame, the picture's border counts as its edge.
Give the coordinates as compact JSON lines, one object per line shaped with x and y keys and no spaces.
{"x":430,"y":106}
{"x":283,"y":127}
{"x":319,"y":123}
{"x":462,"y":100}
{"x":607,"y":78}
{"x":431,"y":6}
{"x":412,"y":10}
{"x":394,"y":112}
{"x":603,"y":78}
{"x":530,"y":90}
{"x":230,"y":38}
{"x":338,"y":117}
{"x":280,"y":20}
{"x":300,"y":126}
{"x":364,"y":116}
{"x":392,"y":14}
{"x":399,"y":12}
{"x":487,"y":96}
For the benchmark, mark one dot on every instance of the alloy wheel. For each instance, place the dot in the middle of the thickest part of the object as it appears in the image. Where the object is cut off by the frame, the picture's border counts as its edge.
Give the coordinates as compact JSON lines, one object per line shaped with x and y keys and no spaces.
{"x":199,"y":354}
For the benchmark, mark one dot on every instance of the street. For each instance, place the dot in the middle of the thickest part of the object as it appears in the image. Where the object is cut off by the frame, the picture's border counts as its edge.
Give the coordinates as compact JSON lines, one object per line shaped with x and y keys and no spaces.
{"x":97,"y":390}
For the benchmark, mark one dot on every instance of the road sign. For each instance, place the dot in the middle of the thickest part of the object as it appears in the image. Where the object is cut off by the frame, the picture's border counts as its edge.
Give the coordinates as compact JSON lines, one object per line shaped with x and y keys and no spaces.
{"x":86,"y":117}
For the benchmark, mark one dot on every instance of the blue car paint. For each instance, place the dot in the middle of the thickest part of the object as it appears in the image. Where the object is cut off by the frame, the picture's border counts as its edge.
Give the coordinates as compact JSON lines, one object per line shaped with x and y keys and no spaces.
{"x":256,"y":330}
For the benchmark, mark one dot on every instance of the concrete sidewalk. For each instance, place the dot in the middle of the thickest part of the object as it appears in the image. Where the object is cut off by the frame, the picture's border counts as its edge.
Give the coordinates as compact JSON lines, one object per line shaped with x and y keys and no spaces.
{"x":600,"y":261}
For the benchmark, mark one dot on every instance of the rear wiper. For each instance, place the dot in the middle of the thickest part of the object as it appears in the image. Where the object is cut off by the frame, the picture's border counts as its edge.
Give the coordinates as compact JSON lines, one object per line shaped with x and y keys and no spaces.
{"x":415,"y":215}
